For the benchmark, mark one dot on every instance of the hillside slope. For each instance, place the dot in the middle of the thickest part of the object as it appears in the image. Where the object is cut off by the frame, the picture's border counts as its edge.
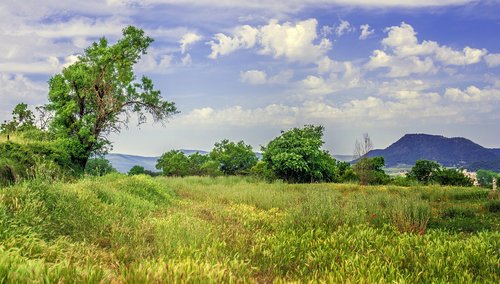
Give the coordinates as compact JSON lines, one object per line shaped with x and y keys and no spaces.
{"x":449,"y":152}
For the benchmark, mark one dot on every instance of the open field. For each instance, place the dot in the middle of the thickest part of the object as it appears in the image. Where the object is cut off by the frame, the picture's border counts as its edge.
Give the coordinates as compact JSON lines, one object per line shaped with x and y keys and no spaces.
{"x":138,"y":229}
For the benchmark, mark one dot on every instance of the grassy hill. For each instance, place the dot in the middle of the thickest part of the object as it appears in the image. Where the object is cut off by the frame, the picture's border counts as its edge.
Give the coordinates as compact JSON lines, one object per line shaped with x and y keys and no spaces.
{"x":118,"y":229}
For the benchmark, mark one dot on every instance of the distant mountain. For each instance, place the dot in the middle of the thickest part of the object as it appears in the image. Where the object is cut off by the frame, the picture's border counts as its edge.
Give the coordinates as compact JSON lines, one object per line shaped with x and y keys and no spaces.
{"x":449,"y":152}
{"x":123,"y":162}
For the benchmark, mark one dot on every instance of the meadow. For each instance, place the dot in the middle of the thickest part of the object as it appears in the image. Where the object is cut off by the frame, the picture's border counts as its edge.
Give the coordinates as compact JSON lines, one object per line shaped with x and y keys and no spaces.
{"x":119,"y":229}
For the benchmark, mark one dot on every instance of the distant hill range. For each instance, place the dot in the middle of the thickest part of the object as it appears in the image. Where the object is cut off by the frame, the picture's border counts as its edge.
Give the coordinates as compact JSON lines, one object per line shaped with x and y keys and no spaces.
{"x":449,"y":152}
{"x":123,"y":162}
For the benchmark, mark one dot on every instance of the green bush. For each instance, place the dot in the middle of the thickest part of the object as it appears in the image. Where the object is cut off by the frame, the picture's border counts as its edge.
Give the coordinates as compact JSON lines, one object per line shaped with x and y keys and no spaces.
{"x":493,"y":206}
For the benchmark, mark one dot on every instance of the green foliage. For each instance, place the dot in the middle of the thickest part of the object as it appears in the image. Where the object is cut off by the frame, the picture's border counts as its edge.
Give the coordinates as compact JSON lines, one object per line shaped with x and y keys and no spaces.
{"x":493,"y":206}
{"x":423,"y":171}
{"x":344,"y":172}
{"x":233,"y":158}
{"x":210,"y":168}
{"x":22,"y":119}
{"x":93,"y":96}
{"x":98,"y":167}
{"x":403,"y":181}
{"x":262,"y":171}
{"x":296,"y":156}
{"x":198,"y":164}
{"x":453,"y":177}
{"x":139,"y":170}
{"x":8,"y":173}
{"x":136,"y":170}
{"x":173,"y":163}
{"x":370,"y":171}
{"x":458,"y":212}
{"x":427,"y":172}
{"x":485,"y":178}
{"x":43,"y":160}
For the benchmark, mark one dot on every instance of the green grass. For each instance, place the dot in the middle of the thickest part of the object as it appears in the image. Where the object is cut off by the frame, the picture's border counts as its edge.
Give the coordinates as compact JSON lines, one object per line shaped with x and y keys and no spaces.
{"x":233,"y":229}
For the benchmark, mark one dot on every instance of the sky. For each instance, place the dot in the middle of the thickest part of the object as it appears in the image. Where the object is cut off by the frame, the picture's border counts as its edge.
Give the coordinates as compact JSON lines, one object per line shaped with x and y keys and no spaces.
{"x":246,"y":70}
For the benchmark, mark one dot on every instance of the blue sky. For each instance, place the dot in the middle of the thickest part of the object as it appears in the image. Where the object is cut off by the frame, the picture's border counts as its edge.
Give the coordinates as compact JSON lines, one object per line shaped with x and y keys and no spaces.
{"x":245,"y":70}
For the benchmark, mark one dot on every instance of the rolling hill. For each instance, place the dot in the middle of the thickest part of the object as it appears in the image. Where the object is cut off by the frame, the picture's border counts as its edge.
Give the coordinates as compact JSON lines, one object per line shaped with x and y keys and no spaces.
{"x":449,"y":152}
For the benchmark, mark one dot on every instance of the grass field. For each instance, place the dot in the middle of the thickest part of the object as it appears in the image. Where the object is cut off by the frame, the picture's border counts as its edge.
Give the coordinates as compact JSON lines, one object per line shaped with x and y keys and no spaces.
{"x":137,"y":229}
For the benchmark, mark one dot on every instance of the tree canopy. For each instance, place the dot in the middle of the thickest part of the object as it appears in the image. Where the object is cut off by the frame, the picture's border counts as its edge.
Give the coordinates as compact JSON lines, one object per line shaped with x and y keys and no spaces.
{"x":97,"y":94}
{"x":296,"y":156}
{"x":423,"y":171}
{"x":233,"y":158}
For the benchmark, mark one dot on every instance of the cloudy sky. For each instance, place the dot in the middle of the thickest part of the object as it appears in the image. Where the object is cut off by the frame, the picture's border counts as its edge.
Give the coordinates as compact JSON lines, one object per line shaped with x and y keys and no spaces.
{"x":245,"y":70}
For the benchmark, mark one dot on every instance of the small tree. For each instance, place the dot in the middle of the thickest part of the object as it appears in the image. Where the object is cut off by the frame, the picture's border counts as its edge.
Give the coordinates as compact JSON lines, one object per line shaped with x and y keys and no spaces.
{"x":23,"y":116}
{"x":173,"y":163}
{"x":233,"y":158}
{"x":98,"y":167}
{"x":22,"y":119}
{"x":136,"y":170}
{"x":296,"y":156}
{"x":370,"y":171}
{"x":423,"y":171}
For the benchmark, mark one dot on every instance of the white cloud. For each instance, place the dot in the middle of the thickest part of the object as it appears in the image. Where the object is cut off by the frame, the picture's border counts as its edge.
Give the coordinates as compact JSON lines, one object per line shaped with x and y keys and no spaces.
{"x":404,"y":55}
{"x":493,"y":59}
{"x":296,"y":42}
{"x":274,"y":114}
{"x":473,"y":94}
{"x":365,"y":31}
{"x":402,"y":40}
{"x":187,"y":40}
{"x":257,"y":77}
{"x":156,"y":63}
{"x":343,"y":28}
{"x":253,"y":77}
{"x":15,"y":89}
{"x":244,"y":37}
{"x":340,"y":76}
{"x":400,"y":66}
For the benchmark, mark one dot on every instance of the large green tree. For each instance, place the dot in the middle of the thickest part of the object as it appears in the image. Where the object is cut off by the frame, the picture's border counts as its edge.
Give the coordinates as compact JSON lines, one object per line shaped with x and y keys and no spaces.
{"x":296,"y":156}
{"x":233,"y":158}
{"x":97,"y":94}
{"x":174,"y":163}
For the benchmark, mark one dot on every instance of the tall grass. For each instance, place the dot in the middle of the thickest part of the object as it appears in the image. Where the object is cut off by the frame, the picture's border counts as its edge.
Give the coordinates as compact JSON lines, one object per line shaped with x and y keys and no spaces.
{"x":117,"y":229}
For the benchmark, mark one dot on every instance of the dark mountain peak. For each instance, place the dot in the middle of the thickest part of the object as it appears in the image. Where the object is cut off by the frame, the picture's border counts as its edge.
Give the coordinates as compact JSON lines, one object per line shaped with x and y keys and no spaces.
{"x":450,"y":152}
